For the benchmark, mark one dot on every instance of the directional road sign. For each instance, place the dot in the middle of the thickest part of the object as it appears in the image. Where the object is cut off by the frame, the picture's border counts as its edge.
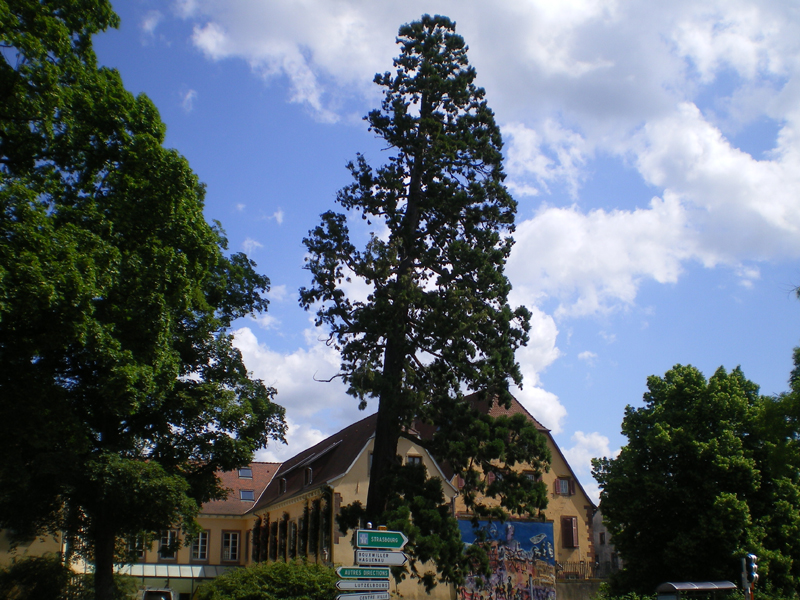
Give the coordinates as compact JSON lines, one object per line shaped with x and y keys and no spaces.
{"x":363,"y":584}
{"x":366,"y":572}
{"x":381,"y":557}
{"x":371,"y":538}
{"x":364,"y":596}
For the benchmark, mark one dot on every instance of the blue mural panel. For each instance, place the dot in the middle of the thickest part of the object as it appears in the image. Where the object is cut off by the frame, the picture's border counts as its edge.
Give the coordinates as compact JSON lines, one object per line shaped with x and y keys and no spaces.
{"x":521,"y":558}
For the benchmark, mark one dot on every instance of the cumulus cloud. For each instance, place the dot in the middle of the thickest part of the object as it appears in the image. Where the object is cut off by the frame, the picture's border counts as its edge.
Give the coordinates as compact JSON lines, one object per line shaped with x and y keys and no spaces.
{"x":636,"y":82}
{"x":299,"y":377}
{"x":587,"y":446}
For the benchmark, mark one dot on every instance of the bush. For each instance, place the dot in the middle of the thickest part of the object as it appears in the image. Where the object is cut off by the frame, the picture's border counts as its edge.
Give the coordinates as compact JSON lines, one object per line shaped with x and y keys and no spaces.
{"x":273,"y":581}
{"x":34,"y":578}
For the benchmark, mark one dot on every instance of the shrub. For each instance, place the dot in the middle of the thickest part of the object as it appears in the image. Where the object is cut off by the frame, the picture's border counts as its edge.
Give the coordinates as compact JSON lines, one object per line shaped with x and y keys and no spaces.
{"x":273,"y":581}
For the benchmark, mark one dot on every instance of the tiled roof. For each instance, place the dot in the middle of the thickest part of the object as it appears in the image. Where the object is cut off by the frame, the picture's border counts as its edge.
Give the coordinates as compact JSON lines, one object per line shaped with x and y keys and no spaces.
{"x":233,"y":505}
{"x":496,"y":410}
{"x":327,"y":460}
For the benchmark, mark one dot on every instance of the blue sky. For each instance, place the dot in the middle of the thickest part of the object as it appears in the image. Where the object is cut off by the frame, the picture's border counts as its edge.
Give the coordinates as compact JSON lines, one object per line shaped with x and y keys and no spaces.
{"x":654,"y":151}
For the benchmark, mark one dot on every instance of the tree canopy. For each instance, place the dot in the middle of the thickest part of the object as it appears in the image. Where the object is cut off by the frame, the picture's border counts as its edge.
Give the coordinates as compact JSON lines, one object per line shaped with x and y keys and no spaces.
{"x":427,"y":318}
{"x":120,"y":391}
{"x":711,"y":471}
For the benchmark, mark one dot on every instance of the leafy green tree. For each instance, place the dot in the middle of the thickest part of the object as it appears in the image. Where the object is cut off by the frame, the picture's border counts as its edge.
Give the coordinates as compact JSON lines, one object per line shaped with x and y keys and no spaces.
{"x":709,"y":473}
{"x":120,"y":391}
{"x":435,"y":320}
{"x":273,"y":581}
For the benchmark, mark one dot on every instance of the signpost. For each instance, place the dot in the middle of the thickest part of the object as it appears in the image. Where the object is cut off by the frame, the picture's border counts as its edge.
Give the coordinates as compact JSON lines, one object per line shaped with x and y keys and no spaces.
{"x":381,"y":557}
{"x":389,"y":540}
{"x":363,"y":572}
{"x":377,"y":551}
{"x":363,"y":584}
{"x":364,"y":596}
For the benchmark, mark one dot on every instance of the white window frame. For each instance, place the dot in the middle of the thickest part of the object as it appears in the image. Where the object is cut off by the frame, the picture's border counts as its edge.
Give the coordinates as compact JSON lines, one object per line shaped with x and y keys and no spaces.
{"x":200,"y":546}
{"x":230,"y":546}
{"x":168,"y":538}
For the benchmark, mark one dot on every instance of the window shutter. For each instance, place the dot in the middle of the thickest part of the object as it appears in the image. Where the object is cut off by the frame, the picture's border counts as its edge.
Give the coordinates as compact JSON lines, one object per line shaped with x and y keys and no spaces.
{"x":569,"y":532}
{"x":555,"y":486}
{"x":571,"y":486}
{"x":574,"y":532}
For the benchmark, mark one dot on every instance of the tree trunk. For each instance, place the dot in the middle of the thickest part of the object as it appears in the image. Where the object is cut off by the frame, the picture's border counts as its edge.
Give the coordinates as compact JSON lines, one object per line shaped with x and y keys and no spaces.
{"x":104,"y":541}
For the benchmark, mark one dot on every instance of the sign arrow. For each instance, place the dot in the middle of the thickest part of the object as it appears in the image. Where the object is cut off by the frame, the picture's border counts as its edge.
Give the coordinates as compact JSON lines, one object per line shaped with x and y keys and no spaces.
{"x":362,"y":584}
{"x":381,"y":557}
{"x":371,"y":538}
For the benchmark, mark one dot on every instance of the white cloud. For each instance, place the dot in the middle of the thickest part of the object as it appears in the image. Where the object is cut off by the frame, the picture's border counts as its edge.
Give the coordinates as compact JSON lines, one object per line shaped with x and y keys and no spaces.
{"x":240,"y":207}
{"x":533,"y":359}
{"x":588,"y":356}
{"x":250,"y":245}
{"x":298,"y":438}
{"x":187,"y":100}
{"x":586,"y":447}
{"x":596,"y":260}
{"x":299,"y":378}
{"x":278,"y":216}
{"x":266,"y":321}
{"x":150,"y":22}
{"x":278,"y":293}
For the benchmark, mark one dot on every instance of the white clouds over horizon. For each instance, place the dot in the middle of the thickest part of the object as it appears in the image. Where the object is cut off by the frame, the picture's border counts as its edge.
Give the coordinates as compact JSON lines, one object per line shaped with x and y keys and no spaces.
{"x":662,"y":89}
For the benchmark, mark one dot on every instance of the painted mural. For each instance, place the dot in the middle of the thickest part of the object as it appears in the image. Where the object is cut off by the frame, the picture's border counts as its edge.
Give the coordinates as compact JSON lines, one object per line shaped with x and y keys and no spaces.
{"x":521,"y":557}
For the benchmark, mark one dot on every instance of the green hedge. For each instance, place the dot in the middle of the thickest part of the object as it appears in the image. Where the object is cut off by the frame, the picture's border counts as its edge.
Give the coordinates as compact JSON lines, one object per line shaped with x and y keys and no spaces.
{"x":273,"y":581}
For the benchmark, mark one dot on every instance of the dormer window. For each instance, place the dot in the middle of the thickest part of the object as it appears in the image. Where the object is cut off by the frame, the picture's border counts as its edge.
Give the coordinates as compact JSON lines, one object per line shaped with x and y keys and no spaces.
{"x":282,"y":484}
{"x":309,"y":476}
{"x":246,"y":473}
{"x":249,"y":495}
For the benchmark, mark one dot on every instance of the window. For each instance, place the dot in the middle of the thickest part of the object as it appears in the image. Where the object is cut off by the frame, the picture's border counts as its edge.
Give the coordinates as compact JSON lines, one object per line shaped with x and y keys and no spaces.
{"x":565,"y":486}
{"x":136,"y":547}
{"x":247,"y":495}
{"x":168,"y":545}
{"x":308,"y":476}
{"x":282,"y":484}
{"x":414,"y":460}
{"x":200,"y":546}
{"x":602,"y":537}
{"x":246,"y":473}
{"x":369,"y":465}
{"x":533,"y":476}
{"x":569,"y":532}
{"x":230,"y":546}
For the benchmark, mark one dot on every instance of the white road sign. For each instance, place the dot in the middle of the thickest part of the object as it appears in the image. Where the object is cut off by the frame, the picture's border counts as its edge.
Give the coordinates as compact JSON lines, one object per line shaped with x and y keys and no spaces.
{"x":381,"y":557}
{"x":363,"y":584}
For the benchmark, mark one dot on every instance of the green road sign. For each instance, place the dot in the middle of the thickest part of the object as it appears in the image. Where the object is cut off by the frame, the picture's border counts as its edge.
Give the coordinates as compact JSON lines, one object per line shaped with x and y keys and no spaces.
{"x":363,"y":572}
{"x":390,"y":540}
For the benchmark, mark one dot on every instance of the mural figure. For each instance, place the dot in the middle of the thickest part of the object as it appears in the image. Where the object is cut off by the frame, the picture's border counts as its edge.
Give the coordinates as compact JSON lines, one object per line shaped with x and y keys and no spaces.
{"x":521,"y":559}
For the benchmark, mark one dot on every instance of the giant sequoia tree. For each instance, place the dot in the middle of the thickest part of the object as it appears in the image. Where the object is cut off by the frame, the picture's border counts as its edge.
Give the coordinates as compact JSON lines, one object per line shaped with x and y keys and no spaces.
{"x":436,"y":321}
{"x":120,"y":391}
{"x":711,"y":471}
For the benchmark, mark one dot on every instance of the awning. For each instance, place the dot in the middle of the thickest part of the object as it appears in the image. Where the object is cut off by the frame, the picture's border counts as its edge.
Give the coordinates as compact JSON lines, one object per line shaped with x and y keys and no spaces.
{"x":173,"y":571}
{"x":691,"y":586}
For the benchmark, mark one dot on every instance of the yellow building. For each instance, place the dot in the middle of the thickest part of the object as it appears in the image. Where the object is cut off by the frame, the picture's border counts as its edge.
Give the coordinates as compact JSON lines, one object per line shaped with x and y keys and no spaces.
{"x":224,"y":543}
{"x":296,"y":515}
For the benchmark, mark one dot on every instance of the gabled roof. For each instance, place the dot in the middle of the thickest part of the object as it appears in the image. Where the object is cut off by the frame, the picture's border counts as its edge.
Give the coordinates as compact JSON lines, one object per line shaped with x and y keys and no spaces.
{"x":328,"y":460}
{"x":233,"y":505}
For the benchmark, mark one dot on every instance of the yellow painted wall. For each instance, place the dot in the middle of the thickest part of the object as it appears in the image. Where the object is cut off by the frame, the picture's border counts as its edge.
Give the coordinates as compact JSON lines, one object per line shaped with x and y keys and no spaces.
{"x":39,"y":546}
